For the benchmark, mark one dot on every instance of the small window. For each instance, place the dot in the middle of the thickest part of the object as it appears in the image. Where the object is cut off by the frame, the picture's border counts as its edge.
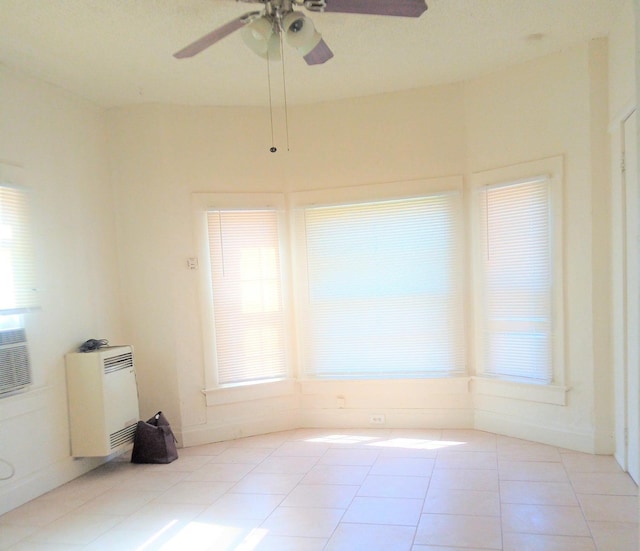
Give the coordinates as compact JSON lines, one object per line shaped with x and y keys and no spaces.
{"x":517,"y":247}
{"x":517,"y":279}
{"x":17,"y":275}
{"x":247,"y":296}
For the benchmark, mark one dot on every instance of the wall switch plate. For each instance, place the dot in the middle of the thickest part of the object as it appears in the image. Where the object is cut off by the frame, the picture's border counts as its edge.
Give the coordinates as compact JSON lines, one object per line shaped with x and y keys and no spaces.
{"x":192,"y":263}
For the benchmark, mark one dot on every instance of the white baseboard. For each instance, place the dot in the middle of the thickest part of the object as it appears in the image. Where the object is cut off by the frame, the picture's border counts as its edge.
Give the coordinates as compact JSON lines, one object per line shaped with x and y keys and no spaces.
{"x":409,"y":419}
{"x":18,"y":492}
{"x":517,"y":428}
{"x":393,"y":418}
{"x":327,"y":418}
{"x":205,"y":434}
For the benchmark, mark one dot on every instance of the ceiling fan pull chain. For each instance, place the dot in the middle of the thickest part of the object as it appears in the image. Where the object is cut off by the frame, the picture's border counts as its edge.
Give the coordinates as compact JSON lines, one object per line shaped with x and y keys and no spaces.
{"x":284,"y":88}
{"x":273,"y":147}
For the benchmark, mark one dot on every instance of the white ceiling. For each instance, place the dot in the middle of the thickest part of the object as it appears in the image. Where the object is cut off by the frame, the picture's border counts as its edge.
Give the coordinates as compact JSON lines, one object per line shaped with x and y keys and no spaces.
{"x":117,"y":52}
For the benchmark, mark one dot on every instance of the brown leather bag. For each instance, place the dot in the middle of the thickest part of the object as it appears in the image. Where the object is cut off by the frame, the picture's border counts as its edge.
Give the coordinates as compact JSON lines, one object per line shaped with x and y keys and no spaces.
{"x":154,"y":441}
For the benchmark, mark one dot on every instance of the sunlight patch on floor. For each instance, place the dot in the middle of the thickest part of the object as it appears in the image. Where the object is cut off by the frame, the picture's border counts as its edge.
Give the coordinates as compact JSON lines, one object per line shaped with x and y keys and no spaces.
{"x":157,"y":536}
{"x":342,"y":439}
{"x":416,"y":444}
{"x":382,"y":442}
{"x":200,"y":536}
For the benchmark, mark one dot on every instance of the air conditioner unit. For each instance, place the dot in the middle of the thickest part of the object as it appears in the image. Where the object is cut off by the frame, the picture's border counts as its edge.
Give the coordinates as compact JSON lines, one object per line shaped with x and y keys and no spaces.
{"x":103,"y":400}
{"x":15,"y":369}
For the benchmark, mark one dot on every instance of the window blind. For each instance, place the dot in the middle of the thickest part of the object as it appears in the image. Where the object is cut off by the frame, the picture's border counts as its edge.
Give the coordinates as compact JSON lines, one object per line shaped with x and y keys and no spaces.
{"x":518,"y":280}
{"x":17,"y":274}
{"x":244,"y":250}
{"x":384,"y":289}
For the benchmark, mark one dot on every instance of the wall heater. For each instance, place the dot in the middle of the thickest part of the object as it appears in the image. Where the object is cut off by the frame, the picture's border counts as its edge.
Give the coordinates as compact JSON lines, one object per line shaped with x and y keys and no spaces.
{"x":103,"y":400}
{"x":15,"y":369}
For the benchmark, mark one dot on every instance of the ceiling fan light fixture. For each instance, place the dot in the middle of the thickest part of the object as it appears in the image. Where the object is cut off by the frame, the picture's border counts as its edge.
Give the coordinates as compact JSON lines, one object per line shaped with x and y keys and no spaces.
{"x":260,"y":38}
{"x":298,"y":29}
{"x":273,"y":48}
{"x":310,"y":44}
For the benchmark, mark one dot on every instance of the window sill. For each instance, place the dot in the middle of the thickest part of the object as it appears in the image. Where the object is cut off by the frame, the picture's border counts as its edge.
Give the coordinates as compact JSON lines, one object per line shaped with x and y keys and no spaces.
{"x":247,"y":392}
{"x":516,"y":390}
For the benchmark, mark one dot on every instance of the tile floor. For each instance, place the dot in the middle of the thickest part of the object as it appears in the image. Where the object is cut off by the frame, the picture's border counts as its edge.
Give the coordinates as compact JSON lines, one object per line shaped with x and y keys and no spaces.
{"x":304,"y":490}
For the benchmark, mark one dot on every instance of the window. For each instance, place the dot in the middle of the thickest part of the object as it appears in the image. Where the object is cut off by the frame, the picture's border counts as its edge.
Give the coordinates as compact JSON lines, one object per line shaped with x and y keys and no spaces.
{"x":517,"y":280}
{"x":518,"y":291}
{"x":383,"y":292}
{"x":17,"y":276}
{"x":246,"y":295}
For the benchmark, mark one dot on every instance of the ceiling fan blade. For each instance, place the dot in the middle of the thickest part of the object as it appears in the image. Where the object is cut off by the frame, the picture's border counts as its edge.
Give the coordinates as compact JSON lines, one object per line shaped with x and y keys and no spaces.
{"x":400,"y":8}
{"x":214,"y":36}
{"x":319,"y":54}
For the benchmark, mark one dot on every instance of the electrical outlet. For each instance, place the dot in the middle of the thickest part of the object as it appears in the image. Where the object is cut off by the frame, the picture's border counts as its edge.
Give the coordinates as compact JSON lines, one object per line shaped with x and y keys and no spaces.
{"x":377,"y":419}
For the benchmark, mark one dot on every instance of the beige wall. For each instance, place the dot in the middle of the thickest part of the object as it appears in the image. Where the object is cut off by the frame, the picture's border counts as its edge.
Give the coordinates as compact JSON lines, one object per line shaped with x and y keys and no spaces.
{"x":622,"y":61}
{"x":60,"y":141}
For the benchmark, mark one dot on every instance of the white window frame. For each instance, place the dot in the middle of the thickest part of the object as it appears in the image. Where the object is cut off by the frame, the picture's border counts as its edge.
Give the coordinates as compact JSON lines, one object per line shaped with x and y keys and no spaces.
{"x":201,"y":204}
{"x":363,"y":194}
{"x":555,"y":391}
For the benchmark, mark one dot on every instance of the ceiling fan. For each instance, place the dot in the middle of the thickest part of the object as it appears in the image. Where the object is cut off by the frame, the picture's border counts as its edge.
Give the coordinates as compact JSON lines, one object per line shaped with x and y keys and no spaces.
{"x":263,"y":30}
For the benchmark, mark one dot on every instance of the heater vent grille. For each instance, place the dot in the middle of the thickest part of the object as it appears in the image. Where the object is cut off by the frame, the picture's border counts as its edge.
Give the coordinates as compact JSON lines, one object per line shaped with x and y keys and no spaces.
{"x":116,"y":363}
{"x":122,"y":436}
